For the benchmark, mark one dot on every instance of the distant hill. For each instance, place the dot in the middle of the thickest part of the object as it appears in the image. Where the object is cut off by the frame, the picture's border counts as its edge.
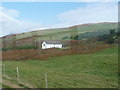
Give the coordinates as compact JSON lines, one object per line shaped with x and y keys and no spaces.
{"x":83,"y":31}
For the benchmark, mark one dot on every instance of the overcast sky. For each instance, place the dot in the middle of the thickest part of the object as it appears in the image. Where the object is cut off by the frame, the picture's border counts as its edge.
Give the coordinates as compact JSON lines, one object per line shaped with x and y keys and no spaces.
{"x":20,"y":17}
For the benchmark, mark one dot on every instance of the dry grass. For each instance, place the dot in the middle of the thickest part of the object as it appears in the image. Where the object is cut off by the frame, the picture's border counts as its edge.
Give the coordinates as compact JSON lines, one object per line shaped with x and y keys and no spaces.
{"x":27,"y":54}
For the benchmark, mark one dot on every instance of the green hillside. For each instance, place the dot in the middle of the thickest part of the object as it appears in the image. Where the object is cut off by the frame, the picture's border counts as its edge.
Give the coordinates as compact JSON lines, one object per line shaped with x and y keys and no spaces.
{"x":99,"y":70}
{"x":79,"y":32}
{"x":61,"y":33}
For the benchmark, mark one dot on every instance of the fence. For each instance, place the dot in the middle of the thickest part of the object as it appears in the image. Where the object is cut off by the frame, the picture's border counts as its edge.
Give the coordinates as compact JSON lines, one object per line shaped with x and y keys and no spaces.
{"x":24,"y":81}
{"x":18,"y":78}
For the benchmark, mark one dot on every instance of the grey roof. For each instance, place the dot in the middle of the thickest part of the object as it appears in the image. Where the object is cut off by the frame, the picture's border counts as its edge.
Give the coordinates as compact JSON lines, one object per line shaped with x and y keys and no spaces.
{"x":53,"y":42}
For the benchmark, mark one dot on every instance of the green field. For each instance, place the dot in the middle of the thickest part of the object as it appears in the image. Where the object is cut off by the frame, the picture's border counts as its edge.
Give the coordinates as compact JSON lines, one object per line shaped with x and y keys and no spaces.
{"x":99,"y":70}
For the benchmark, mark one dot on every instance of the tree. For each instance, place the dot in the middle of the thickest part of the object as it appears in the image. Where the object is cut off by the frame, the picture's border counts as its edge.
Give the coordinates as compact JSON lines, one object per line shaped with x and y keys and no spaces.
{"x":112,"y":31}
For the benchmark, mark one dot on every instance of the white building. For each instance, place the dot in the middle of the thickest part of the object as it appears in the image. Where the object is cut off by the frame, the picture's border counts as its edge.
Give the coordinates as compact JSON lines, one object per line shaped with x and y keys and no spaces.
{"x":51,"y":44}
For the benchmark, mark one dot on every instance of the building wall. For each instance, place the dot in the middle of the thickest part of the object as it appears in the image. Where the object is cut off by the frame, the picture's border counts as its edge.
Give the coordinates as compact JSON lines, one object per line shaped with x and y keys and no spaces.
{"x":51,"y":46}
{"x":58,"y":45}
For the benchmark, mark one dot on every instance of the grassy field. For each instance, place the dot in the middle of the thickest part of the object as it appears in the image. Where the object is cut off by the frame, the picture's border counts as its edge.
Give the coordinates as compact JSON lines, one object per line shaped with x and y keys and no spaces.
{"x":99,"y":70}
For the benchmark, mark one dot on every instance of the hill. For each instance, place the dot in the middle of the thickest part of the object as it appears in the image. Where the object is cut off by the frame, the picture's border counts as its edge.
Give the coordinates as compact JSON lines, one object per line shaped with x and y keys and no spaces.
{"x":98,"y":70}
{"x":85,"y":31}
{"x":78,"y":29}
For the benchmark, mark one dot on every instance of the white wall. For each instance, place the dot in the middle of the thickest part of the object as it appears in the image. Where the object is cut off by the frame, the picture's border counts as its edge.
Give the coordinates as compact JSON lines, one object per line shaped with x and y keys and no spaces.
{"x":51,"y":46}
{"x":58,"y":45}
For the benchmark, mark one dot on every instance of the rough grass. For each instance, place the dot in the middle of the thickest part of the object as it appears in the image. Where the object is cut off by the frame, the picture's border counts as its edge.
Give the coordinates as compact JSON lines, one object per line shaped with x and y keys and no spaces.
{"x":36,"y":54}
{"x":99,"y":70}
{"x":59,"y":33}
{"x":5,"y":86}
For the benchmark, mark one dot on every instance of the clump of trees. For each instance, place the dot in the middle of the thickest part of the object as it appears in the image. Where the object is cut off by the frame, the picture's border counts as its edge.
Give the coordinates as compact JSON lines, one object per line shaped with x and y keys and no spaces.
{"x":110,"y":38}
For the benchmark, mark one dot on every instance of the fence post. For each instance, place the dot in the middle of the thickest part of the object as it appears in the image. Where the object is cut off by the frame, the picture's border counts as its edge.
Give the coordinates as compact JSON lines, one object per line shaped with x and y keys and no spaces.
{"x":17,"y":74}
{"x":4,"y":69}
{"x":46,"y":82}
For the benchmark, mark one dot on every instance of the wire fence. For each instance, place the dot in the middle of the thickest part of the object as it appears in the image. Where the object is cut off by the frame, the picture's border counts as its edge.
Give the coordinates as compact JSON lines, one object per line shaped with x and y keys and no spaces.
{"x":30,"y":80}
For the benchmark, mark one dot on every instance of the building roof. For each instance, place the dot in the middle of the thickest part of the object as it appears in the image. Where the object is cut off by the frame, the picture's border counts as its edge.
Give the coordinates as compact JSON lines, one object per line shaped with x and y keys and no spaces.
{"x":53,"y":42}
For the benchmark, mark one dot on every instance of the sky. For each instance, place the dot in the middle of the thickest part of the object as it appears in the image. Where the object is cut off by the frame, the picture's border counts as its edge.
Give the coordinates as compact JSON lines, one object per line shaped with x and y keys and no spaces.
{"x":18,"y":17}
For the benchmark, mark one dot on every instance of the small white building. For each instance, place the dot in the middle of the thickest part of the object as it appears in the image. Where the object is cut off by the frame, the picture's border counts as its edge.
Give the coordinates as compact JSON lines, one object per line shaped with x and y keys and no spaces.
{"x":51,"y":44}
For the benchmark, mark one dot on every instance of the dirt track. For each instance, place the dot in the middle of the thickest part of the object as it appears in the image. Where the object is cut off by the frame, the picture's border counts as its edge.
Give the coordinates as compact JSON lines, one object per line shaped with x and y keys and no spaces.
{"x":10,"y":84}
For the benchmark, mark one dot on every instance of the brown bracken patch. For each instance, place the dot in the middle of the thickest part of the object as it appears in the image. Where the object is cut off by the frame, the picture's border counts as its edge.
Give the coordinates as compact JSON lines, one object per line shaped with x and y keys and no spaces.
{"x":36,"y":54}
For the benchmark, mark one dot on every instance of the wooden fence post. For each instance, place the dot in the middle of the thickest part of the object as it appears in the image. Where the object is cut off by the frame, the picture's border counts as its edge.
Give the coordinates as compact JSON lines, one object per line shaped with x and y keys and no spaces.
{"x":46,"y":82}
{"x":4,"y":69}
{"x":17,"y":74}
